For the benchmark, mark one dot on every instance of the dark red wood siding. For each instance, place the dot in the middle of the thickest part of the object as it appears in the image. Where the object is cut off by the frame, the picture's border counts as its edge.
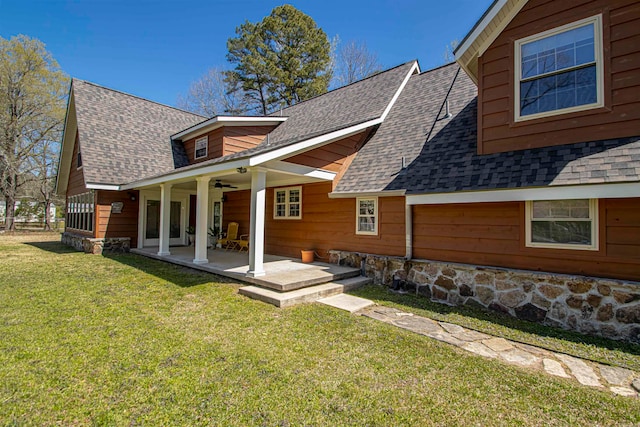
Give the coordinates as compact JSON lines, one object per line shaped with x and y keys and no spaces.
{"x":620,"y":116}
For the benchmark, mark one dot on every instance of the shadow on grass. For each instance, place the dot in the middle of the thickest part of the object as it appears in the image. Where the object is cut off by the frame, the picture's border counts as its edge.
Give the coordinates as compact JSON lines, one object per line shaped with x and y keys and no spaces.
{"x":184,"y":277}
{"x":178,"y":275}
{"x":53,"y":247}
{"x":478,"y":315}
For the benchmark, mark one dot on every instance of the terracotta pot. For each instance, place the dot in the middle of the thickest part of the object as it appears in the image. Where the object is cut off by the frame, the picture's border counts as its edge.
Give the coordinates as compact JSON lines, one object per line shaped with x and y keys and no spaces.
{"x":307,"y":256}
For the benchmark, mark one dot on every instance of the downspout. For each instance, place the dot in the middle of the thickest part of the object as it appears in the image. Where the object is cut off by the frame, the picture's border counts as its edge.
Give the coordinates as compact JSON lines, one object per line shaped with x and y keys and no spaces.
{"x":408,"y":230}
{"x":408,"y":210}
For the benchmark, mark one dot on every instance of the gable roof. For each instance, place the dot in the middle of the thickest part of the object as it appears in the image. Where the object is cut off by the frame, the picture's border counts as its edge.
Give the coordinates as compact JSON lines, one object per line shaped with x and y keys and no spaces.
{"x":484,"y":32}
{"x":123,"y":137}
{"x":441,"y":155}
{"x":319,"y":120}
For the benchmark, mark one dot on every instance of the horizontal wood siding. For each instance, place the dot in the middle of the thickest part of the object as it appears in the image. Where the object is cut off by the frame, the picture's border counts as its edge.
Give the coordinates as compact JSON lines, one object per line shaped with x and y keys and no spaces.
{"x":619,"y":118}
{"x":110,"y":224}
{"x":326,"y":224}
{"x":493,"y":234}
{"x":214,"y":149}
{"x":240,"y":138}
{"x":76,"y":176}
{"x":332,"y":156}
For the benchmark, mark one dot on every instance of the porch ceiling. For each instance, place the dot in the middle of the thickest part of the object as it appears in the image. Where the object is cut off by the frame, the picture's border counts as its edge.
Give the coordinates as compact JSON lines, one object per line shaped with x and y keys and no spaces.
{"x":243,"y":181}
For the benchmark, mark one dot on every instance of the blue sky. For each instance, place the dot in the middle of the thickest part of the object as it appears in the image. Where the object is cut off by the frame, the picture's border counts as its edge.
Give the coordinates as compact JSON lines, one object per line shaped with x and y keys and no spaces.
{"x":156,"y":48}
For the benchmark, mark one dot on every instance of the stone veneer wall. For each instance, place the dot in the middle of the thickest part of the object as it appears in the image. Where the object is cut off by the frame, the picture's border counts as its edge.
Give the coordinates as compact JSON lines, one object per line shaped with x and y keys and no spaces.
{"x":96,"y":246}
{"x":606,"y":307}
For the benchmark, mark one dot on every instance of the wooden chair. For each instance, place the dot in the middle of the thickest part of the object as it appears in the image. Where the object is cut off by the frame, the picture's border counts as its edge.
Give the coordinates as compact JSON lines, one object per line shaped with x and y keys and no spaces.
{"x":231,"y":236}
{"x":242,"y":243}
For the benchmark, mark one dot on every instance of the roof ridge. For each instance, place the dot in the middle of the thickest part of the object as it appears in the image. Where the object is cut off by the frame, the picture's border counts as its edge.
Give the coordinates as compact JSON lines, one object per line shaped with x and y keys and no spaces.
{"x":74,"y":79}
{"x":448,"y":64}
{"x":347,"y":85}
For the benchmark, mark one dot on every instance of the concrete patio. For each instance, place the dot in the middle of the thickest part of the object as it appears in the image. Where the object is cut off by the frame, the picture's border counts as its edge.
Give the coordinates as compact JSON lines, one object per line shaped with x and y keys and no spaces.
{"x":287,"y":281}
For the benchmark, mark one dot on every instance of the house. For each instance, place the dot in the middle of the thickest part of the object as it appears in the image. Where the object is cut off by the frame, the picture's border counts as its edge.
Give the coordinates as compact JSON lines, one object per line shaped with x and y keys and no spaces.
{"x":509,"y":179}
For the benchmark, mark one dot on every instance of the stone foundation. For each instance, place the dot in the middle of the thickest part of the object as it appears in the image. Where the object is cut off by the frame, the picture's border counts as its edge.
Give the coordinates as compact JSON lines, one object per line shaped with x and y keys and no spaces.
{"x":96,"y":246}
{"x":595,"y":306}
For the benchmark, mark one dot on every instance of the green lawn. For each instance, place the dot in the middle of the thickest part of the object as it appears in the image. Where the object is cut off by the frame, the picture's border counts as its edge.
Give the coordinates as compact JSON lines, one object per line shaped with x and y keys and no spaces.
{"x":124,"y":340}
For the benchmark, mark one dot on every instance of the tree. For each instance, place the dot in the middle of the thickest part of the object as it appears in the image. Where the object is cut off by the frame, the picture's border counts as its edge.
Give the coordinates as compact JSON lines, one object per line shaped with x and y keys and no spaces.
{"x":210,"y":96}
{"x":449,"y":49}
{"x":354,"y":62}
{"x":282,"y":60}
{"x":32,"y":108}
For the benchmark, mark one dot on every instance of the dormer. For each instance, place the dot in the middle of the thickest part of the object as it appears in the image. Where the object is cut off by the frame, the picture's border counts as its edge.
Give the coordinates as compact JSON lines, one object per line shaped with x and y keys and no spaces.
{"x":554,"y":72}
{"x":224,"y":135}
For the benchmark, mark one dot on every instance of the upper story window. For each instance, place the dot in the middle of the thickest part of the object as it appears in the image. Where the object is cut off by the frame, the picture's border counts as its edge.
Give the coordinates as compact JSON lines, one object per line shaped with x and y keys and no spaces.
{"x":287,"y":203}
{"x":79,"y":160}
{"x":562,"y":224}
{"x":560,"y":70}
{"x":201,"y":147}
{"x":367,"y":215}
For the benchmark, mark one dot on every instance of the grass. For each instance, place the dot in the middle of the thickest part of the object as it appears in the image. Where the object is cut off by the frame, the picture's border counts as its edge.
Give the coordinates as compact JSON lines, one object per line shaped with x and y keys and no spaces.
{"x":125,"y":340}
{"x":615,"y":353}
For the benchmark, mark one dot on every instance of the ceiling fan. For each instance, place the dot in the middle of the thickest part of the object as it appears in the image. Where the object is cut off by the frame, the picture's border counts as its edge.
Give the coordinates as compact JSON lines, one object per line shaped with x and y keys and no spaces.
{"x":219,"y":184}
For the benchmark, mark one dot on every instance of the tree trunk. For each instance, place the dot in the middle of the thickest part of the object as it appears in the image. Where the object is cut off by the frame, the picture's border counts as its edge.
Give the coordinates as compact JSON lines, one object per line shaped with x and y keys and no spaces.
{"x":47,"y":222}
{"x":10,"y":213}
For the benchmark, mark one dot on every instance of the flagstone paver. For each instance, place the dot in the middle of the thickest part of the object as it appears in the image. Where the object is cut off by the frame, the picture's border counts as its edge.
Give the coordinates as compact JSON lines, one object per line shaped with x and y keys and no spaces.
{"x":616,"y":376}
{"x":554,"y":367}
{"x":583,"y":372}
{"x":618,"y":380}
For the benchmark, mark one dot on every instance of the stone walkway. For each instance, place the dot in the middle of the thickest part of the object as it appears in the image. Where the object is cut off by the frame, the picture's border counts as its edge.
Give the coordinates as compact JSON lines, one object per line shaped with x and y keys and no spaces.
{"x":620,"y":381}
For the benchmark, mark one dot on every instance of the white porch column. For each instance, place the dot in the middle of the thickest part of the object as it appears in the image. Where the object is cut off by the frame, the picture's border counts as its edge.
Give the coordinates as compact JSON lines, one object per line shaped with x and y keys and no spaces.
{"x":201,"y":219}
{"x":142,"y":211}
{"x":256,"y":239}
{"x":165,"y":215}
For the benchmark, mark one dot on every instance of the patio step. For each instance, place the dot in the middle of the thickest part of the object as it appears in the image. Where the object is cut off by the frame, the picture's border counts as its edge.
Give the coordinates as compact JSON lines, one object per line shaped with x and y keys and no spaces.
{"x":310,"y":275}
{"x":304,"y":295}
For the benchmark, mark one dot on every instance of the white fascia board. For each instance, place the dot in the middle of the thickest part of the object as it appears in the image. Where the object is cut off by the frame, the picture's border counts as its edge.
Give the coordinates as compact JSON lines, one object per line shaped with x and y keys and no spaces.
{"x":299,"y":170}
{"x":479,"y":28}
{"x":415,"y":68}
{"x":218,"y":121}
{"x":293,"y":149}
{"x":103,"y":187}
{"x":217,"y":169}
{"x":354,"y":194}
{"x":595,"y":191}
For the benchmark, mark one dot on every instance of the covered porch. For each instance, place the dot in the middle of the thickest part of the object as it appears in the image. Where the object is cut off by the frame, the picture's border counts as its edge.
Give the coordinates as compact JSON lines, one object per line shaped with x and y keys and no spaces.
{"x":171,"y":205}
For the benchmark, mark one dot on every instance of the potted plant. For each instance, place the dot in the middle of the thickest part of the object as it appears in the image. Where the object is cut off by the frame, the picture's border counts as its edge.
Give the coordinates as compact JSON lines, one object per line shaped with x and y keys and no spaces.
{"x":191,"y":232}
{"x":214,"y":235}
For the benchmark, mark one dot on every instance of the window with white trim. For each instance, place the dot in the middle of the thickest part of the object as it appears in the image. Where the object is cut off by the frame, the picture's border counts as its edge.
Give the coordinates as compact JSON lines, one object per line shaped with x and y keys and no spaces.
{"x":287,"y":203}
{"x":560,"y":70}
{"x":201,"y":147}
{"x":80,"y":209}
{"x":562,"y":224}
{"x":367,"y":215}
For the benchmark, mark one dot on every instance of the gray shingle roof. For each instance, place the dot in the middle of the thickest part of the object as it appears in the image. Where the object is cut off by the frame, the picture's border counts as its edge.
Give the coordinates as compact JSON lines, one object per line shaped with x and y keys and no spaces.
{"x":445,"y":159}
{"x":339,"y":109}
{"x":124,"y":138}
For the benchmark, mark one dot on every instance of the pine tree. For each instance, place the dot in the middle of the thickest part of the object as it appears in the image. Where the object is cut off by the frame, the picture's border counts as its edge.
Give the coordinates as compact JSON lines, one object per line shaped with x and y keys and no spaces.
{"x":280,"y":61}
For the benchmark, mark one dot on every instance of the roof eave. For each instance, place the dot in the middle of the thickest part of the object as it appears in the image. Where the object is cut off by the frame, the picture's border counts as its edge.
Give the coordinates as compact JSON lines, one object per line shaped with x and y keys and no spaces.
{"x":219,"y":121}
{"x":550,"y":192}
{"x":66,"y":147}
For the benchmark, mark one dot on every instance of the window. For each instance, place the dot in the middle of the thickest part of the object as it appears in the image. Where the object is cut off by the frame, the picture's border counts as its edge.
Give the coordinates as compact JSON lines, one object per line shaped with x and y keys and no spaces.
{"x":559,"y":71}
{"x":201,"y":147}
{"x":367,"y":216}
{"x":80,"y":209}
{"x":288,"y":203}
{"x":562,"y":224}
{"x":79,"y":160}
